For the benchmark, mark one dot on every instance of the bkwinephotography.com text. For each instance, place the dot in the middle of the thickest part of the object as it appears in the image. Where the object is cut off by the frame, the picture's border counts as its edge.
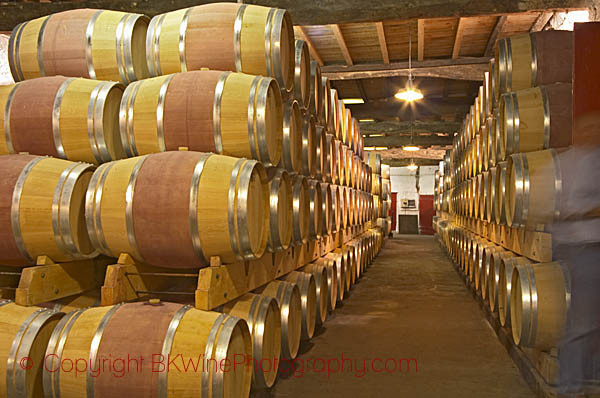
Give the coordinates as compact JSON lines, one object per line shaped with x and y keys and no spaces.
{"x":119,"y":367}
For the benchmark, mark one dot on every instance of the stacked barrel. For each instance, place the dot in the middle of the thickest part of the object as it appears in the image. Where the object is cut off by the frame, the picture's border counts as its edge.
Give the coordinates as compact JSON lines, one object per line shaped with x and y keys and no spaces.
{"x":504,"y":171}
{"x":203,"y":132}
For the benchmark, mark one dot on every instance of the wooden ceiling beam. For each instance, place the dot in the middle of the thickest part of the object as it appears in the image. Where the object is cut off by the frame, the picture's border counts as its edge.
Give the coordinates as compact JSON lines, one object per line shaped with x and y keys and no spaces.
{"x":399,"y":110}
{"x":541,"y":21}
{"x":489,"y":49}
{"x":385,"y":55}
{"x":395,"y":162}
{"x":339,"y":37}
{"x":465,"y":68}
{"x":306,"y":12}
{"x":402,"y":127}
{"x":420,"y":39}
{"x":458,"y":38}
{"x":396,"y":141}
{"x":311,"y":47}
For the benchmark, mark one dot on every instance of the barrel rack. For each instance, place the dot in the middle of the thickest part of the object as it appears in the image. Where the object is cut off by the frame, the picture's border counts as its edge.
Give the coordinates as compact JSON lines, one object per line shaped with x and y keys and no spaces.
{"x":219,"y":283}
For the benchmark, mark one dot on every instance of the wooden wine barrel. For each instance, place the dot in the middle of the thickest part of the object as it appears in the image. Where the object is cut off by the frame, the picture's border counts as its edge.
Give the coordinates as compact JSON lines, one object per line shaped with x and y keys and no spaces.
{"x":507,"y":267}
{"x":24,"y":333}
{"x":301,"y":210}
{"x":490,"y":195}
{"x":341,"y":162}
{"x":494,"y":277}
{"x":281,"y":210}
{"x":385,"y":171}
{"x":348,"y":165}
{"x":533,"y":189}
{"x":348,"y":132}
{"x":288,"y":297}
{"x":345,"y":194}
{"x":332,"y":281}
{"x":263,"y":317}
{"x":316,"y":91}
{"x":534,"y":59}
{"x":351,"y":206}
{"x":98,"y":44}
{"x":340,"y":262}
{"x":492,"y":264}
{"x":333,"y":158}
{"x":223,"y":36}
{"x":334,"y":110}
{"x":483,"y":147}
{"x":315,"y":225}
{"x":309,"y":146}
{"x":484,"y":178}
{"x":150,"y":207}
{"x":538,"y":118}
{"x":327,"y":209}
{"x":302,"y":73}
{"x":291,"y":154}
{"x":308,"y":295}
{"x":336,"y":204}
{"x":326,"y":88}
{"x":76,"y":302}
{"x":42,"y":210}
{"x":322,"y":154}
{"x":144,"y":330}
{"x":207,"y":111}
{"x":539,"y":302}
{"x":500,"y":193}
{"x":491,"y":141}
{"x":348,"y":274}
{"x":374,"y":161}
{"x":68,"y":118}
{"x":492,"y":88}
{"x":319,"y":273}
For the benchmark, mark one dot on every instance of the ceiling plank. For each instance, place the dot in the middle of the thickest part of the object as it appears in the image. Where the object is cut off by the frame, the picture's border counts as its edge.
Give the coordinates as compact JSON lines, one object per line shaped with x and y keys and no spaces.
{"x":398,"y":110}
{"x":337,"y":32}
{"x":465,"y":68}
{"x":489,"y":49}
{"x":402,"y":127}
{"x":458,"y":38}
{"x":541,"y":21}
{"x":397,"y":141}
{"x":306,"y":12}
{"x":420,"y":38}
{"x":311,"y":48}
{"x":407,"y":161}
{"x":383,"y":43}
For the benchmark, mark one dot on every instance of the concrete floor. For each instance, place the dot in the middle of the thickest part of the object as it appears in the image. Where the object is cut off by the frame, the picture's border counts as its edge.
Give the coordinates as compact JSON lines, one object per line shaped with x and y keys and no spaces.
{"x":411,"y":303}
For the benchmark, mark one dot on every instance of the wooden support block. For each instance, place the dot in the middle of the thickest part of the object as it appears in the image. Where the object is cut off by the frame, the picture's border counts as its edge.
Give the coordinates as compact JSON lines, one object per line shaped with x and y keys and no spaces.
{"x":43,"y":283}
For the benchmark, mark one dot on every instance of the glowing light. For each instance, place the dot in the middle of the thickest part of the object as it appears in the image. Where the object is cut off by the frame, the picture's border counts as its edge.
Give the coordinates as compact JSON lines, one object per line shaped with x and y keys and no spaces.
{"x":376,"y":148}
{"x":376,"y":135}
{"x":409,"y":95}
{"x":369,"y":148}
{"x":353,"y":101}
{"x":412,"y":167}
{"x":410,"y":148}
{"x":366,"y":120}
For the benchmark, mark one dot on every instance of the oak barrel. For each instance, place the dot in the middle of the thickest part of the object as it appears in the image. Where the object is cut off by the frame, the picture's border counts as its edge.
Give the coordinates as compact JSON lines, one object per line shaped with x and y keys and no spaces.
{"x":534,"y":59}
{"x":319,"y":273}
{"x":540,"y":298}
{"x":308,"y":296}
{"x":538,"y":118}
{"x":315,"y":225}
{"x":507,"y":266}
{"x":281,"y":210}
{"x":500,"y":193}
{"x":42,"y":201}
{"x":291,"y":155}
{"x":24,"y":332}
{"x":302,"y":73}
{"x":234,"y":114}
{"x":315,"y":106}
{"x":178,"y":209}
{"x":327,"y":116}
{"x":301,"y":210}
{"x":327,"y":208}
{"x":156,"y":340}
{"x":68,"y":118}
{"x":263,"y":317}
{"x":340,"y":263}
{"x":288,"y":297}
{"x":334,"y":108}
{"x":223,"y":36}
{"x":309,"y":146}
{"x":96,"y":44}
{"x":332,"y":275}
{"x":533,"y":189}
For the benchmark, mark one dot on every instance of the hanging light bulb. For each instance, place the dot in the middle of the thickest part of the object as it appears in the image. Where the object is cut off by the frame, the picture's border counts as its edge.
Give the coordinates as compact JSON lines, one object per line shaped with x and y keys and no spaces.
{"x":412,"y":166}
{"x":411,"y":93}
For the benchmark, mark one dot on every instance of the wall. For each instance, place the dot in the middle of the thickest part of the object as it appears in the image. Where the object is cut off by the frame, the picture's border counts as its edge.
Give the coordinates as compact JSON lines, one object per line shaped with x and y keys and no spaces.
{"x":404,"y":182}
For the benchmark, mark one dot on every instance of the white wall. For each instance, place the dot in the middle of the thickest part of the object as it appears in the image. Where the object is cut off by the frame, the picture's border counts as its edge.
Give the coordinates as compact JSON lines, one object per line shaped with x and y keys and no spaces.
{"x":404,"y":182}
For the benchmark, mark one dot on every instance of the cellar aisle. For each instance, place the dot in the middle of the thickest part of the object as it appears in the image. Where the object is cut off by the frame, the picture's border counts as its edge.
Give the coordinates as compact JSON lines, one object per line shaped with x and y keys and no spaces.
{"x":410,"y":304}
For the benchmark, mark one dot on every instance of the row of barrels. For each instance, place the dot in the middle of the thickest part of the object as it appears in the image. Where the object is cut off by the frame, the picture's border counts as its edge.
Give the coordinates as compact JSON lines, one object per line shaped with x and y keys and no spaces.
{"x":524,"y":104}
{"x":172,"y":209}
{"x":149,"y":344}
{"x":524,"y":191}
{"x":227,"y":113}
{"x":530,"y":298}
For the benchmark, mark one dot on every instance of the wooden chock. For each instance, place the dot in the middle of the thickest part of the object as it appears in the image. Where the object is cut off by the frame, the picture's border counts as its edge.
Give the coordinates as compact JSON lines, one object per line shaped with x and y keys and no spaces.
{"x":125,"y":259}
